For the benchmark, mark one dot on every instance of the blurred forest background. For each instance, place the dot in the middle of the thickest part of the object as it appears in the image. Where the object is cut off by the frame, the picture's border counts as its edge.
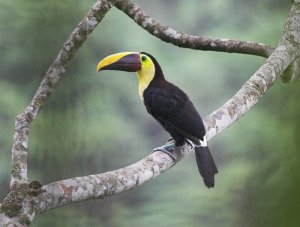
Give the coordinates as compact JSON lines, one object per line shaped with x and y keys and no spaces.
{"x":95,"y":122}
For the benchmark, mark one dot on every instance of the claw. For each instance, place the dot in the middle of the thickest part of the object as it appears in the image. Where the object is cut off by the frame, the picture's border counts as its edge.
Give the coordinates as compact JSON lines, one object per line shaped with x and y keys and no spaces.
{"x":170,"y":139}
{"x":168,"y":149}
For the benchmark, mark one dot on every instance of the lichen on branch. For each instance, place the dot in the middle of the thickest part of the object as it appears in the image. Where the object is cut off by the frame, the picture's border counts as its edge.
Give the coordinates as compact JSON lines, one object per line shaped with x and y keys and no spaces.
{"x":54,"y":73}
{"x":25,"y":200}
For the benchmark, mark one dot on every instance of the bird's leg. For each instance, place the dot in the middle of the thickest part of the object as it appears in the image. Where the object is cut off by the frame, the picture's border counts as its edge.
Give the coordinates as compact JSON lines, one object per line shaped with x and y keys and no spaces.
{"x":168,"y":149}
{"x":190,"y":143}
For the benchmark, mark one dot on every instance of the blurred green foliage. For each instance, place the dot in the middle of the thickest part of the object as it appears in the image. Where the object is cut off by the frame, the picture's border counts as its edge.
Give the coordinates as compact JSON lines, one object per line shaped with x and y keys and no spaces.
{"x":96,"y":122}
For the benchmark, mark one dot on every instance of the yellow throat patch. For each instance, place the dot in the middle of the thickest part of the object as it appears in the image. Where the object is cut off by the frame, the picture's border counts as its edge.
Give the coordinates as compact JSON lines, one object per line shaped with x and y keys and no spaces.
{"x":146,"y":74}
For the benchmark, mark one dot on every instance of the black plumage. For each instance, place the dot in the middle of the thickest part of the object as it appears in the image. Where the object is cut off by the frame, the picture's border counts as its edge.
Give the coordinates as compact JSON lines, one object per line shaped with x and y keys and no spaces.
{"x":168,"y":104}
{"x":172,"y":108}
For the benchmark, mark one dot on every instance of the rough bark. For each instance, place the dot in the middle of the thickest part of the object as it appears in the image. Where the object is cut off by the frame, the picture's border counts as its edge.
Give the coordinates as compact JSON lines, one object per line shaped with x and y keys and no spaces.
{"x":110,"y":183}
{"x":169,"y":35}
{"x":54,"y":73}
{"x":24,"y":200}
{"x":180,"y":39}
{"x":23,"y":120}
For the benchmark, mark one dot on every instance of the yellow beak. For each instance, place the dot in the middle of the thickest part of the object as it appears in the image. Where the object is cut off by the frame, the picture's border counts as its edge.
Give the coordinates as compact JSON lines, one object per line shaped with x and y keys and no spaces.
{"x":125,"y":61}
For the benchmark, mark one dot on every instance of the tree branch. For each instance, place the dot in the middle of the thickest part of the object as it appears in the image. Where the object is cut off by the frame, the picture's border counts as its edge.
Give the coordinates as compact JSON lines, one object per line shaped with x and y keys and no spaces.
{"x":54,"y":73}
{"x":107,"y":184}
{"x":169,"y":35}
{"x":291,"y":33}
{"x":285,"y":56}
{"x":292,"y":72}
{"x":29,"y":199}
{"x":180,"y":39}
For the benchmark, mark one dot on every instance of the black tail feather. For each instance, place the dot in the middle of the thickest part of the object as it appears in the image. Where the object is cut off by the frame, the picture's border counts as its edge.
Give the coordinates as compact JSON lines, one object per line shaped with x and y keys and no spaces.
{"x":206,"y":165}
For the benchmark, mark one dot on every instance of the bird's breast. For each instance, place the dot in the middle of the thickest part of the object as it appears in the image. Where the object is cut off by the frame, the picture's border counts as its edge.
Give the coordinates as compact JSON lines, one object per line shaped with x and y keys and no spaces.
{"x":142,"y":88}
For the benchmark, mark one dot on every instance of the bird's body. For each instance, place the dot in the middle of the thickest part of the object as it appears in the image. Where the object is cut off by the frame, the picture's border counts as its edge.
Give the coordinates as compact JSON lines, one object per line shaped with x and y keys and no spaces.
{"x":172,"y":108}
{"x":169,"y":105}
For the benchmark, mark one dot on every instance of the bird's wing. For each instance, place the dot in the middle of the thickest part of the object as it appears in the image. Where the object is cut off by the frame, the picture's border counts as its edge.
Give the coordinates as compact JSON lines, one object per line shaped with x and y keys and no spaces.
{"x":170,"y":105}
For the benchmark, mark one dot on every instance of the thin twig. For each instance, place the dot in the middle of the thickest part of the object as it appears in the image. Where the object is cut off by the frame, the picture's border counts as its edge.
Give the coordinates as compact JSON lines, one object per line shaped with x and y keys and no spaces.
{"x":169,"y":35}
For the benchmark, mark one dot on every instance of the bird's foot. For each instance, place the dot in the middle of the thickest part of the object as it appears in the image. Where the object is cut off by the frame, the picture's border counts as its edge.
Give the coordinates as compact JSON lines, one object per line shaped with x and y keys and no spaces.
{"x":171,"y":140}
{"x":168,"y":149}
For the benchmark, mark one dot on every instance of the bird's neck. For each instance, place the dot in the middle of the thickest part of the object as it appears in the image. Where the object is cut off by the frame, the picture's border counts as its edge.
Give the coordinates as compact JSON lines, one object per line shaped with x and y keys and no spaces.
{"x":144,"y":77}
{"x":149,"y":75}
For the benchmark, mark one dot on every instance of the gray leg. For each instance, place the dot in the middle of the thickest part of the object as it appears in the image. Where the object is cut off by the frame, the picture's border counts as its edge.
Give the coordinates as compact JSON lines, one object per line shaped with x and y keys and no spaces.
{"x":168,"y":149}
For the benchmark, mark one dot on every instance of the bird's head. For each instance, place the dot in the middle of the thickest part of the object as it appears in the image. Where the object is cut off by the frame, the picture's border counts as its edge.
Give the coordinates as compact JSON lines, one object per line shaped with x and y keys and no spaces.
{"x":129,"y":62}
{"x":145,"y":65}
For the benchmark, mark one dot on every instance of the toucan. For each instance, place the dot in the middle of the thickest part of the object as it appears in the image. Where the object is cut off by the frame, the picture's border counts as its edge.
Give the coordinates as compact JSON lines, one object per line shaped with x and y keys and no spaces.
{"x":169,"y":105}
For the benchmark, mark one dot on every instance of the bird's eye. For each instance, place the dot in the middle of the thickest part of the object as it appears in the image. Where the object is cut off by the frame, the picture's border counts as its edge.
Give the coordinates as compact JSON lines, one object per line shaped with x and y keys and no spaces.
{"x":144,"y":58}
